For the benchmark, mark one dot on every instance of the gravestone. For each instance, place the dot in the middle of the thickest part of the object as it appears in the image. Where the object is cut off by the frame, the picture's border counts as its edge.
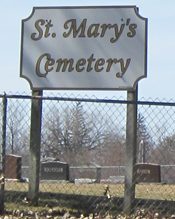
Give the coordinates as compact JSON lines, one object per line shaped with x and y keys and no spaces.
{"x":54,"y":170}
{"x":149,"y":173}
{"x":13,"y":166}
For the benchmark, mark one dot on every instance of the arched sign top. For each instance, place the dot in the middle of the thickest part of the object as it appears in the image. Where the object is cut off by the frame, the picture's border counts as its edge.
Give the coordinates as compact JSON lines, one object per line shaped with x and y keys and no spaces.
{"x":84,"y":48}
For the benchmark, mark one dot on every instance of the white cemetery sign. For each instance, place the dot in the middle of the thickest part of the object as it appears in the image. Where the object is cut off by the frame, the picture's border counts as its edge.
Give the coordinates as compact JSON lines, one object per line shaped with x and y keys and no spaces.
{"x":92,"y":48}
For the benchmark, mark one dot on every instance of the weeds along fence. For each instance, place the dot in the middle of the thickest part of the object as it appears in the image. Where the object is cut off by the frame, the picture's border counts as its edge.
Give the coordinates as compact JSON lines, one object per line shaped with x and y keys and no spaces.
{"x":88,"y":135}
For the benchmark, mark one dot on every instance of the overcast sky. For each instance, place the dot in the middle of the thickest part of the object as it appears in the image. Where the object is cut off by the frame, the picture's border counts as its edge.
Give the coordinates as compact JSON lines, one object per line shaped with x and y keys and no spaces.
{"x":160,"y":81}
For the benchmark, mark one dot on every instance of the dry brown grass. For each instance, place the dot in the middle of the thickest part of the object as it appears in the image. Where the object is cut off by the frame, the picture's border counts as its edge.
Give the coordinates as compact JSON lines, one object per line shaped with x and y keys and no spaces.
{"x":146,"y":191}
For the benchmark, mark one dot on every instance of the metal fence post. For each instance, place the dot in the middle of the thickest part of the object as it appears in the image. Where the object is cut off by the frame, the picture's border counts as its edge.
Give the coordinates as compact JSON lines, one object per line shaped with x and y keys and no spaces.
{"x":131,"y":139}
{"x":35,"y":139}
{"x":4,"y":124}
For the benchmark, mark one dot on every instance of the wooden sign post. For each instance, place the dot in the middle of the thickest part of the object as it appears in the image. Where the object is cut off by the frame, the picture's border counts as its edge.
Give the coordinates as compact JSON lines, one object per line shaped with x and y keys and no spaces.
{"x":131,"y":140}
{"x":35,"y":139}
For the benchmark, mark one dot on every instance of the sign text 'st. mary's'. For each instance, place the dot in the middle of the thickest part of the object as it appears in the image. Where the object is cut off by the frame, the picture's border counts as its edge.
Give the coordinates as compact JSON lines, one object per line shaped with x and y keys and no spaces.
{"x":93,"y":30}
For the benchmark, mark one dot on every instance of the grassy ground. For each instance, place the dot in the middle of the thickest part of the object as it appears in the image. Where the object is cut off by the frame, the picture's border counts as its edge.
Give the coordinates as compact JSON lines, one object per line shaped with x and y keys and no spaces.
{"x":82,"y":196}
{"x":146,"y":191}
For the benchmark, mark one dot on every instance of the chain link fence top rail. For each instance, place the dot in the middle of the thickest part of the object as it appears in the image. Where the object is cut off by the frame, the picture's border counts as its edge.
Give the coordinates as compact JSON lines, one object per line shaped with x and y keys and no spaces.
{"x":83,"y":154}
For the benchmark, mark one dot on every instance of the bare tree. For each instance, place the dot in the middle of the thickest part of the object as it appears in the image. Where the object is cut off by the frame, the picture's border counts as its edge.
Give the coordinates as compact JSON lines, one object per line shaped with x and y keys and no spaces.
{"x":70,"y":132}
{"x":112,"y":150}
{"x":17,"y":130}
{"x":164,"y":152}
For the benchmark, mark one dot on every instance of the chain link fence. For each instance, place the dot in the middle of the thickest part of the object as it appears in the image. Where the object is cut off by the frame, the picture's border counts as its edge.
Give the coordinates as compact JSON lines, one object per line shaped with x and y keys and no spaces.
{"x":82,"y":157}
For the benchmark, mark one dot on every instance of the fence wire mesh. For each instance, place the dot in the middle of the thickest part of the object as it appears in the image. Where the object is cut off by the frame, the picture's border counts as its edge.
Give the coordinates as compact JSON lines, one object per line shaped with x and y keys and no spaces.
{"x":82,"y":159}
